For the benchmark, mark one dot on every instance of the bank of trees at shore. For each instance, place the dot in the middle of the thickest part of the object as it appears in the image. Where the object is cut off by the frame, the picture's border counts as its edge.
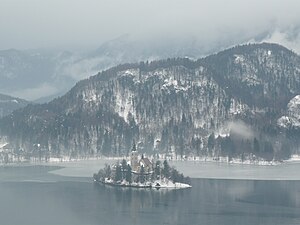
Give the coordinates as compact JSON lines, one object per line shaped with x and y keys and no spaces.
{"x":123,"y":172}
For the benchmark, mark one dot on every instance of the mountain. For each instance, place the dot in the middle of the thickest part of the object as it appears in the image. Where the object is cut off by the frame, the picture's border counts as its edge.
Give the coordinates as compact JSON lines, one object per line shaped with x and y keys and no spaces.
{"x":8,"y":104}
{"x":264,"y":76}
{"x":292,"y":117}
{"x":125,"y":49}
{"x":40,"y":75}
{"x":227,"y":104}
{"x":33,"y":74}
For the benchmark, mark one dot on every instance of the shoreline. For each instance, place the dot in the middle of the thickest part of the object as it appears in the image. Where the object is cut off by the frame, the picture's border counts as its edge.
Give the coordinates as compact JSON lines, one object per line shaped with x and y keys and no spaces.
{"x":208,"y":170}
{"x":221,"y":160}
{"x":148,"y":185}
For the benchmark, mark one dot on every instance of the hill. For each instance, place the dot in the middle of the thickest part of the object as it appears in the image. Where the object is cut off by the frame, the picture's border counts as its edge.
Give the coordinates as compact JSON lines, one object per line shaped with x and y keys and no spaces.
{"x":227,"y":104}
{"x":8,"y":104}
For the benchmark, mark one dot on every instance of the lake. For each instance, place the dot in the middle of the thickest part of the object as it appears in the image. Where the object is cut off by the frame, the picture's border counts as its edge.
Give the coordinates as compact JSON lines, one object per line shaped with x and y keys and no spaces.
{"x":30,"y":195}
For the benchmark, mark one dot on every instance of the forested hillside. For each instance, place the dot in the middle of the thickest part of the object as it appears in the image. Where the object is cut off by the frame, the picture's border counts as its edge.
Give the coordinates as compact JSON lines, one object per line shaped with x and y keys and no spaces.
{"x":8,"y":104}
{"x":227,"y":104}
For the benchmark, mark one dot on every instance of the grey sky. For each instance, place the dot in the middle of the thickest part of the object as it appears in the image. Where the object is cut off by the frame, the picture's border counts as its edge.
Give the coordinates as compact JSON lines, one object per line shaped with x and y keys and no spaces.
{"x":88,"y":23}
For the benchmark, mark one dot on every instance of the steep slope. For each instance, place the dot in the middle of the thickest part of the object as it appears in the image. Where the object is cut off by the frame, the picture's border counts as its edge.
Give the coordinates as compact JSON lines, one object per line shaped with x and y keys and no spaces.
{"x":263,"y":75}
{"x":8,"y":104}
{"x":222,"y":105}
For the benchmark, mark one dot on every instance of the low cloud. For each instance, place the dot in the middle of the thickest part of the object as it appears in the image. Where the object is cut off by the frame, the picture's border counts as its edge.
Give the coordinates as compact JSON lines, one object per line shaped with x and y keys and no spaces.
{"x":241,"y":129}
{"x":211,"y":22}
{"x":289,"y":38}
{"x":35,"y":93}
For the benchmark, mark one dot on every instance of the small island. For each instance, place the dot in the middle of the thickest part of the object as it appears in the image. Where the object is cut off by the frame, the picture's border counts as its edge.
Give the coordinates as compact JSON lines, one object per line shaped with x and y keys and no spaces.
{"x":141,"y":172}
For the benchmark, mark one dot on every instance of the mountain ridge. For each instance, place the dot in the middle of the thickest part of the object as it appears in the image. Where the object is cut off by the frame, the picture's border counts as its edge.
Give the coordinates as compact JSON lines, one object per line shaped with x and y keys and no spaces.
{"x":8,"y":104}
{"x":173,"y":106}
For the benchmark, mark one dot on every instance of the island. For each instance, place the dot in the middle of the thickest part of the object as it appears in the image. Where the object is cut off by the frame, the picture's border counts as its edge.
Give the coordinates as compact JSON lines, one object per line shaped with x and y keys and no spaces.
{"x":141,"y":172}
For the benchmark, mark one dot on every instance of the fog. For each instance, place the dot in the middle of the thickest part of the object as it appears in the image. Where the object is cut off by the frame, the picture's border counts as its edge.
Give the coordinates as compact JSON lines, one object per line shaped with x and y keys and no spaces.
{"x":77,"y":24}
{"x":241,"y":129}
{"x":100,"y":34}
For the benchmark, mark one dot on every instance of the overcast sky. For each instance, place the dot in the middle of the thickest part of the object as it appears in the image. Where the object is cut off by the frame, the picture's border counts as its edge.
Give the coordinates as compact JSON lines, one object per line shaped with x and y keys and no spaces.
{"x":74,"y":24}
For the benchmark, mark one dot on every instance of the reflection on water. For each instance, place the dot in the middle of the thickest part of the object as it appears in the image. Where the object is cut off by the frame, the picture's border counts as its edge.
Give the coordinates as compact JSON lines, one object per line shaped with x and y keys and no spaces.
{"x":209,"y":202}
{"x":137,"y":206}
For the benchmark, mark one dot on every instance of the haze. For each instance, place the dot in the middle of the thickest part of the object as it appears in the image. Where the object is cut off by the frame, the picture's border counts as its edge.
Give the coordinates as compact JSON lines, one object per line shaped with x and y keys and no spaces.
{"x":78,"y":24}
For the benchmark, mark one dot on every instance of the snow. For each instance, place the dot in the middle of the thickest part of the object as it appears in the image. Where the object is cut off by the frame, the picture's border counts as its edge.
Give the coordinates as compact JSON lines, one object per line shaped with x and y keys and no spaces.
{"x":294,"y":158}
{"x":223,"y":135}
{"x":90,"y":96}
{"x":237,"y":107}
{"x":123,"y":104}
{"x":284,"y":121}
{"x":293,"y":114}
{"x":269,"y":52}
{"x":239,"y":58}
{"x":169,"y":184}
{"x":159,"y":184}
{"x":134,"y":73}
{"x":249,"y":160}
{"x":251,"y":80}
{"x":3,"y":145}
{"x":173,"y":83}
{"x":108,"y":180}
{"x":128,"y":72}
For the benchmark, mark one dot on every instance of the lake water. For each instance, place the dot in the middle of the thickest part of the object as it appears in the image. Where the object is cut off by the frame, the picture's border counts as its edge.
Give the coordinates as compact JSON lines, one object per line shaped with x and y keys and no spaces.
{"x":33,"y":196}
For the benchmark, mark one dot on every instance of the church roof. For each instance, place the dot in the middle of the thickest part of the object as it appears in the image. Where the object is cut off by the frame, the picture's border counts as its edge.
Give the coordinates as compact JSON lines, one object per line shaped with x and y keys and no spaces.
{"x":146,"y":162}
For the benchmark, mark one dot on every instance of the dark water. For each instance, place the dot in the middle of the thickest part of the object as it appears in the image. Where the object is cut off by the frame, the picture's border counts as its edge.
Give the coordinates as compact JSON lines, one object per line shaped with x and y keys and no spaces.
{"x":31,"y":196}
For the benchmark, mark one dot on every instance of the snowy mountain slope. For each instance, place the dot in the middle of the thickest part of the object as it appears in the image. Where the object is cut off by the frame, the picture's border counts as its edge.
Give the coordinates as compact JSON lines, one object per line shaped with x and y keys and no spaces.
{"x":263,"y":75}
{"x":174,"y":106}
{"x":8,"y":104}
{"x":292,"y":118}
{"x":40,"y":74}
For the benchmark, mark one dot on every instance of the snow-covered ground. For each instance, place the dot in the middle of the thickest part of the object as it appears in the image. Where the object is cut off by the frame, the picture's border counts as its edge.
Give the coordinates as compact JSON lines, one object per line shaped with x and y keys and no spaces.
{"x":169,"y":184}
{"x":165,"y":184}
{"x":294,"y":158}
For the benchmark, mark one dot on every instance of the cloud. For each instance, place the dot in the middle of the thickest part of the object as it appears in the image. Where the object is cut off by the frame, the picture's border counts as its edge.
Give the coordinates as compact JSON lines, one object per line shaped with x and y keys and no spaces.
{"x":35,"y":93}
{"x":240,"y":129}
{"x":212,"y":23}
{"x":288,"y":38}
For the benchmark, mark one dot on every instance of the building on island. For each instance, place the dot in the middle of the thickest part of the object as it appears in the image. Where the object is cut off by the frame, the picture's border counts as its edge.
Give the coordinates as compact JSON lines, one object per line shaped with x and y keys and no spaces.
{"x":134,"y":160}
{"x":146,"y":163}
{"x":137,"y":163}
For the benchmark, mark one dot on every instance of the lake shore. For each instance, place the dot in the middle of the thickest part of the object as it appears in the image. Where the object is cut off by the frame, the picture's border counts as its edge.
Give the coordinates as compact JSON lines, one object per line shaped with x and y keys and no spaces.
{"x":196,"y":169}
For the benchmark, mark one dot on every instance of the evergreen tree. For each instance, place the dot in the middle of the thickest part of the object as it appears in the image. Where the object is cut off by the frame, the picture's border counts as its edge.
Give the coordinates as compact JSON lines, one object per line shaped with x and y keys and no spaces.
{"x":157,"y":169}
{"x":174,"y":175}
{"x":118,"y":175}
{"x":124,"y":168}
{"x":133,"y":149}
{"x":107,"y":171}
{"x":129,"y":174}
{"x":256,"y":147}
{"x":166,"y":169}
{"x":211,"y":141}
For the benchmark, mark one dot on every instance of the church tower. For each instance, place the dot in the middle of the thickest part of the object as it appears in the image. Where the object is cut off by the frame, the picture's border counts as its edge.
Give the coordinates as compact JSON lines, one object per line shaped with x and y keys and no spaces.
{"x":134,"y":162}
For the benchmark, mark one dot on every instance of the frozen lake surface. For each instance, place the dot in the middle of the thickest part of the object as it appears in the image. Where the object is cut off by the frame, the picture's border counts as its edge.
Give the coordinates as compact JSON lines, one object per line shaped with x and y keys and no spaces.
{"x":196,"y":169}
